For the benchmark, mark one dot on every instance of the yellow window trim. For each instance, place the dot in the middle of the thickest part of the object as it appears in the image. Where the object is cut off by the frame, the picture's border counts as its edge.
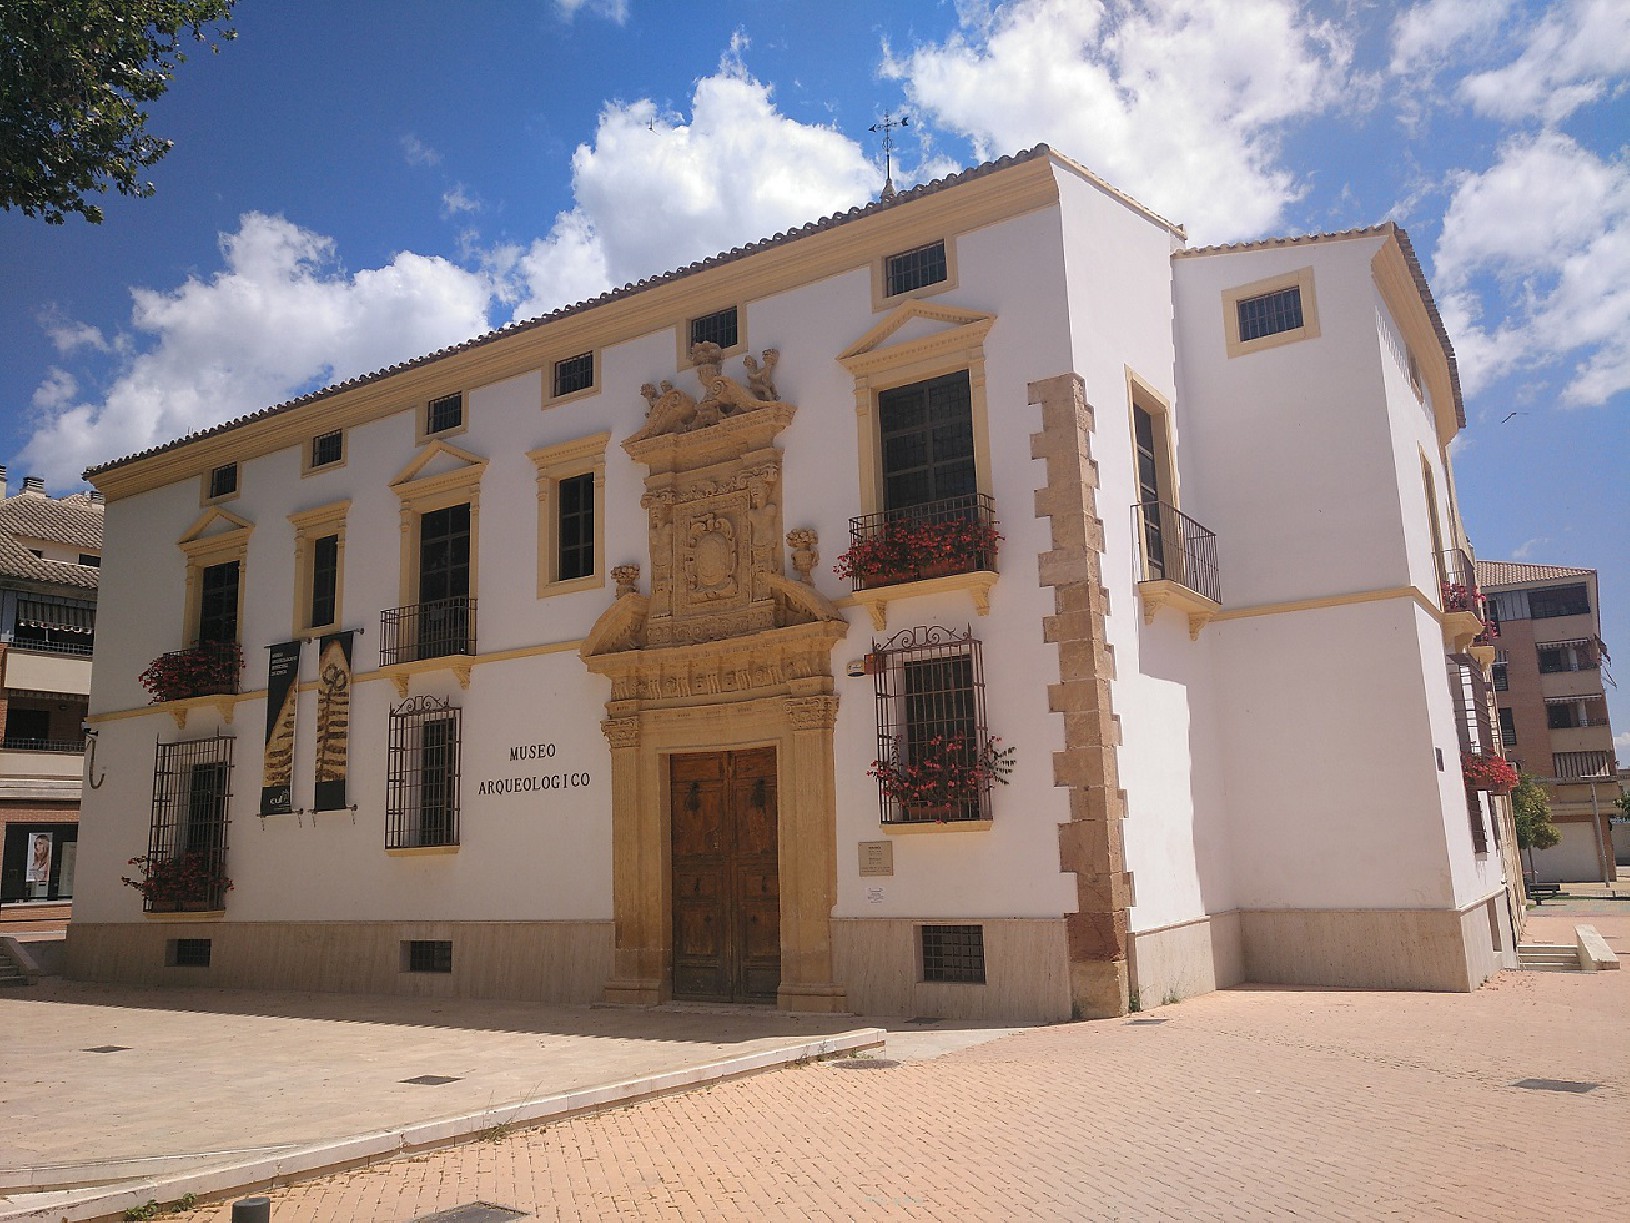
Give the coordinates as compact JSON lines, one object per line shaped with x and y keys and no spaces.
{"x":1301,"y":278}
{"x":307,"y":468}
{"x":310,"y":526}
{"x":682,"y":332}
{"x":582,"y":456}
{"x":552,"y":400}
{"x":422,"y":435}
{"x":205,"y":480}
{"x":419,"y":495}
{"x":205,"y":545}
{"x":882,"y":300}
{"x":878,"y":366}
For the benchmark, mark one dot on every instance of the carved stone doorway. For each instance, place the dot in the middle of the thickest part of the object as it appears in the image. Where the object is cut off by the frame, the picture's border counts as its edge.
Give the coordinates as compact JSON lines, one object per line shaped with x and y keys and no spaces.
{"x":726,"y":879}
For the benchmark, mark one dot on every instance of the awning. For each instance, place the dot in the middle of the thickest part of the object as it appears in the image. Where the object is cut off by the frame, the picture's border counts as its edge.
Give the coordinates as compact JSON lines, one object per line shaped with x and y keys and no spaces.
{"x":43,"y":613}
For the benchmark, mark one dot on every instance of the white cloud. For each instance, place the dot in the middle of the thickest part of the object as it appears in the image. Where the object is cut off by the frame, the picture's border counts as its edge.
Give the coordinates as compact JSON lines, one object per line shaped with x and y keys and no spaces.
{"x":1621,"y":744}
{"x":278,"y":319}
{"x":1525,"y":550}
{"x":1540,"y":241}
{"x":1426,"y":35}
{"x":69,"y":336}
{"x":418,"y":153}
{"x":457,"y":199}
{"x":655,"y":192}
{"x":1571,"y":57}
{"x":611,"y":10}
{"x":1182,"y":105}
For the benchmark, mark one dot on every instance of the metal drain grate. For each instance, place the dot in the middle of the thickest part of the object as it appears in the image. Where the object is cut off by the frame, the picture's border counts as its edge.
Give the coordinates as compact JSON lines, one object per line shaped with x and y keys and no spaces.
{"x":923,"y":1021}
{"x":108,"y":1049}
{"x":474,"y":1212}
{"x":430,"y":1080}
{"x":1577,"y":1089}
{"x":1151,"y":1019}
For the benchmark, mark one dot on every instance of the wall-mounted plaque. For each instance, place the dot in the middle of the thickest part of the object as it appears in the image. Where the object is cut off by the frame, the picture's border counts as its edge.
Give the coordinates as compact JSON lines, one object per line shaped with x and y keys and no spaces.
{"x":876,"y":858}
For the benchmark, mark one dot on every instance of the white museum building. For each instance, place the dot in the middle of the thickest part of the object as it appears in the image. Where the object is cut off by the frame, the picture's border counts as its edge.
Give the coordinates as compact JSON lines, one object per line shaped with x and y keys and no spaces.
{"x":975,"y":604}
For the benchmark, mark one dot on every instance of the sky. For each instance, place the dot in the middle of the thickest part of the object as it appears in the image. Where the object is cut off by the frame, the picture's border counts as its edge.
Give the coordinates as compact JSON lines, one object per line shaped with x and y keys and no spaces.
{"x":353,"y":185}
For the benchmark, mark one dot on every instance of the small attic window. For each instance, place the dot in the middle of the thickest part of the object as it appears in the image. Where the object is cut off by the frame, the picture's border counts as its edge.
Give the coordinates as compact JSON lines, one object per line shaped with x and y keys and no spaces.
{"x":327,"y":449}
{"x":445,"y":414}
{"x":1270,"y":314}
{"x":223,"y":481}
{"x":916,"y":269}
{"x":719,"y":328}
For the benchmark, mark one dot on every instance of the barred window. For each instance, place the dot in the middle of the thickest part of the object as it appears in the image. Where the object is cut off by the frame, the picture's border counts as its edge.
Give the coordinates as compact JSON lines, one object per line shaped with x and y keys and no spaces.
{"x":935,"y":759}
{"x":327,"y":449}
{"x":421,"y":800}
{"x":953,"y":953}
{"x":915,"y":269}
{"x":716,"y":328}
{"x":444,"y":414}
{"x":427,"y":955}
{"x":574,"y":374}
{"x":1270,"y":314}
{"x":186,"y":844}
{"x":223,"y":481}
{"x":187,"y":953}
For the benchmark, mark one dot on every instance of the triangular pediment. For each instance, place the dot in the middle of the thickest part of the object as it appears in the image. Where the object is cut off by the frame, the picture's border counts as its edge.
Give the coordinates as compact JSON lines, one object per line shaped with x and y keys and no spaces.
{"x":916,"y":325}
{"x":215,"y":523}
{"x":436,"y":461}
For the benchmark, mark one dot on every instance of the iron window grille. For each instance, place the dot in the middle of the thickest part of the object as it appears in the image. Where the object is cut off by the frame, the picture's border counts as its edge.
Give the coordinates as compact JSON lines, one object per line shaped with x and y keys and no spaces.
{"x":445,"y":413}
{"x":325,"y":579}
{"x":1474,"y":820}
{"x":1270,"y":314}
{"x":931,"y":733}
{"x":717,"y":328}
{"x":191,"y":791}
{"x":327,"y":448}
{"x":188,"y":953}
{"x":575,"y":526}
{"x":437,"y":629}
{"x":953,"y":953}
{"x":916,"y":269}
{"x":574,"y":374}
{"x":421,"y":793}
{"x":427,"y":955}
{"x":223,"y":480}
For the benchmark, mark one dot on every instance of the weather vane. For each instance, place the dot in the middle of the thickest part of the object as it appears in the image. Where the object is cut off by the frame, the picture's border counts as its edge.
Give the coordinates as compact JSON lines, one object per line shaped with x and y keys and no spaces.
{"x":886,"y":125}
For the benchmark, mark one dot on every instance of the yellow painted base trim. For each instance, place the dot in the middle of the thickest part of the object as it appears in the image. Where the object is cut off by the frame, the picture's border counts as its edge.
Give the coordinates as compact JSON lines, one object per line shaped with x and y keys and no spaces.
{"x":420,"y":851}
{"x":896,"y":830}
{"x":1341,"y":600}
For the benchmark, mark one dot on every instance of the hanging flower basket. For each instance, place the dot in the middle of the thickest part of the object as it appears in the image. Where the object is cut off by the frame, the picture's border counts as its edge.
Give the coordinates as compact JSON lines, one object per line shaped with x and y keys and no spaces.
{"x":943,"y":775}
{"x":909,"y":550}
{"x":1495,"y":774}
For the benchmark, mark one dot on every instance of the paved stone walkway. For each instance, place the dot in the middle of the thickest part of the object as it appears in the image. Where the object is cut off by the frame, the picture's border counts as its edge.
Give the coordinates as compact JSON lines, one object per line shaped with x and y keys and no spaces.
{"x":1243,"y":1104}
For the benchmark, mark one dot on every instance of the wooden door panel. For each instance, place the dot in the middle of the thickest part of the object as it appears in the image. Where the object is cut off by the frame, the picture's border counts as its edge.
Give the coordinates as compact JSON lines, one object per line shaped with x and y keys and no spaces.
{"x":726,"y":882}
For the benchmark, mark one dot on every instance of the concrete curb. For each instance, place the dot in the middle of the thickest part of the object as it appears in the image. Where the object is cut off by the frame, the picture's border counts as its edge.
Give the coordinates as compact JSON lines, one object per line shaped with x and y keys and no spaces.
{"x":105,"y":1201}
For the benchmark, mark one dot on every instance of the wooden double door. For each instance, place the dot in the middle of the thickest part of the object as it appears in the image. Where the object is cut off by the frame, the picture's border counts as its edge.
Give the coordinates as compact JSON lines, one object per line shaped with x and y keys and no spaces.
{"x":726,"y":882}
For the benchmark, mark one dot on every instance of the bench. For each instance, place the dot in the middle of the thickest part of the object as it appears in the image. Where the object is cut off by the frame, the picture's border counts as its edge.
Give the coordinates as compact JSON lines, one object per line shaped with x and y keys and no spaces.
{"x":1538,"y":891}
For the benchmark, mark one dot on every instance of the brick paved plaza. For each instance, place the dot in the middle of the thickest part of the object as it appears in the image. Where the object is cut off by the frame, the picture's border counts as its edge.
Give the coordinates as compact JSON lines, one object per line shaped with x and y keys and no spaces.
{"x":1250,"y":1103}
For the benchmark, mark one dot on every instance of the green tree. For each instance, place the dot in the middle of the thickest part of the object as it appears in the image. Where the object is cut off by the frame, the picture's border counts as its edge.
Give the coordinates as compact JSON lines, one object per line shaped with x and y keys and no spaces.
{"x":74,"y":78}
{"x":1531,"y":812}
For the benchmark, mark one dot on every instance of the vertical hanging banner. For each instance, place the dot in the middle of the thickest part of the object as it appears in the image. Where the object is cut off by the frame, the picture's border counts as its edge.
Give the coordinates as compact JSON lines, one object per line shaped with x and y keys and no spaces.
{"x":282,"y":706}
{"x":333,"y":719}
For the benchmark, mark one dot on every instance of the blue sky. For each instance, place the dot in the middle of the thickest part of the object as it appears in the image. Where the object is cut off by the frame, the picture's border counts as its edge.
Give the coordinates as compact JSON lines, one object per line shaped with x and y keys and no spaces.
{"x":347,"y":191}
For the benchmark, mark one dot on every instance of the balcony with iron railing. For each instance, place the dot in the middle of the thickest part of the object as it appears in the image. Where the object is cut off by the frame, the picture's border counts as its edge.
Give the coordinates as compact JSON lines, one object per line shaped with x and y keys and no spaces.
{"x":1467,"y":619}
{"x":209,"y":668}
{"x":949,"y":544}
{"x":420,"y":632}
{"x":1583,"y":766}
{"x":1179,"y":564}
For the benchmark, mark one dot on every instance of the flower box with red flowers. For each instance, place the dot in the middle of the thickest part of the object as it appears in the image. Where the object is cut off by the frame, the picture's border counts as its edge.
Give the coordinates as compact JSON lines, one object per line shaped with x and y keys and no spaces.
{"x":210,"y":668}
{"x":910,"y":549}
{"x":191,"y":880}
{"x":1494,"y":774}
{"x":942,"y":777}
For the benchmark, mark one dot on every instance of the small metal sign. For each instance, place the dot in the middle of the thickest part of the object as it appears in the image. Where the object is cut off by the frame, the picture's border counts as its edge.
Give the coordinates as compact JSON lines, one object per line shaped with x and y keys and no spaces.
{"x":876,"y":858}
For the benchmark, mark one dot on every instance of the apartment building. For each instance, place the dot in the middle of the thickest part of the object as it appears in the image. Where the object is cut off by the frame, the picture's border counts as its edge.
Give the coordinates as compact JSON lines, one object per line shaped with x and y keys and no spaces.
{"x":892,"y":615}
{"x":50,"y":553}
{"x":1549,"y":677}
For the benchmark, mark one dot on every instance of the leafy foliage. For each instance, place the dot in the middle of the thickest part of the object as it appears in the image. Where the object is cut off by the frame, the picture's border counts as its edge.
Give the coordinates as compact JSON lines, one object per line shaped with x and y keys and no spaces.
{"x":944,"y":771}
{"x":207,"y":669}
{"x":168,"y":881}
{"x":74,"y":78}
{"x":1531,"y":810}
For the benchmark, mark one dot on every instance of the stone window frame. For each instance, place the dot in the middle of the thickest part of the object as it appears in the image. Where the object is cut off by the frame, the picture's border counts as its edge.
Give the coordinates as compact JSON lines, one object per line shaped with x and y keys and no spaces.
{"x":206,"y":486}
{"x":423,"y":436}
{"x":308,"y":464}
{"x":1300,"y":279}
{"x":883,"y":300}
{"x":310,"y":526}
{"x":560,"y":461}
{"x":682,"y":333}
{"x":552,"y":396}
{"x":419,"y":495}
{"x":202,"y":551}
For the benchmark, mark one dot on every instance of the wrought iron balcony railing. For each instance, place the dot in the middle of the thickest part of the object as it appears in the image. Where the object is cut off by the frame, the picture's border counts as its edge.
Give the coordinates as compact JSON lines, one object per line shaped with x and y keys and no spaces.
{"x":1457,"y":582}
{"x":22,"y":743}
{"x":956,"y":535}
{"x":1175,"y":548}
{"x":437,"y":629}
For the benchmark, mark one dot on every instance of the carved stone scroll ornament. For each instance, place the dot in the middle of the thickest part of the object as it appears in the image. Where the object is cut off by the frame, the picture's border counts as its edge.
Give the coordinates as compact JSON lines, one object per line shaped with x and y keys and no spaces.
{"x":812,"y":712}
{"x":805,"y":554}
{"x":672,"y":411}
{"x":622,"y":625}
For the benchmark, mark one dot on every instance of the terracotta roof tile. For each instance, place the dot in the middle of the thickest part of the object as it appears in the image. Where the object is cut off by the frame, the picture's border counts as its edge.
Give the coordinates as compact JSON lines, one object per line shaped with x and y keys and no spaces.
{"x":1515,"y":573}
